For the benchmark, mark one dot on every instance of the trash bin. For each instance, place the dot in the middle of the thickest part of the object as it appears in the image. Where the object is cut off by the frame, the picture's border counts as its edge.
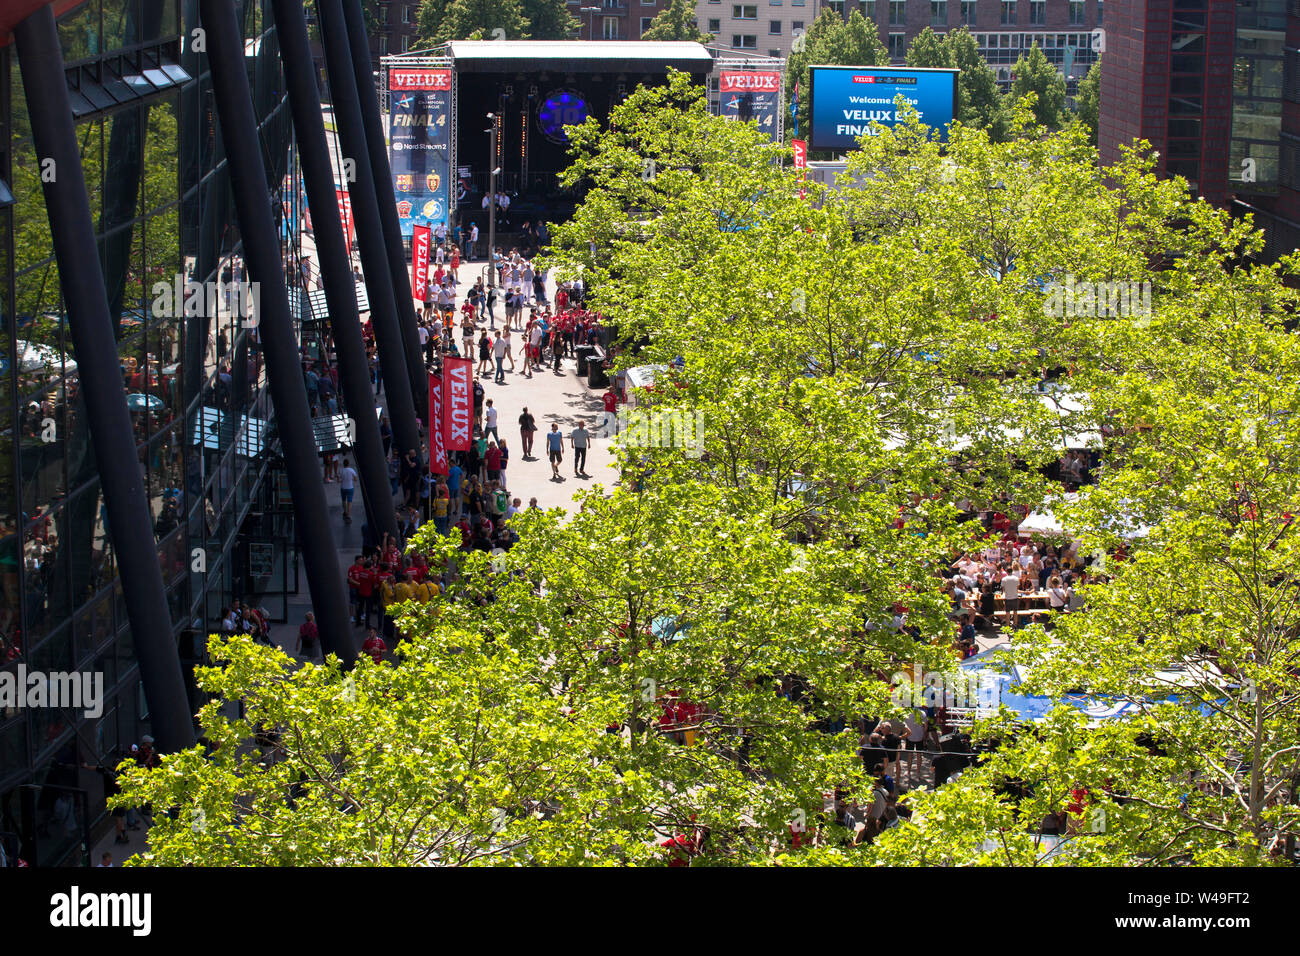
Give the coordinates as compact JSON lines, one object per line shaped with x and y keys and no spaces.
{"x":582,"y":353}
{"x":596,"y":377}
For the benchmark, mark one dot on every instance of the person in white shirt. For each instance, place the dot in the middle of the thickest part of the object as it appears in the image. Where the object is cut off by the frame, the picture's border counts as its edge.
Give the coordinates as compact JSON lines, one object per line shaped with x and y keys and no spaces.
{"x":347,"y":487}
{"x":490,"y":421}
{"x":473,"y":240}
{"x":1010,"y":585}
{"x":499,"y":354}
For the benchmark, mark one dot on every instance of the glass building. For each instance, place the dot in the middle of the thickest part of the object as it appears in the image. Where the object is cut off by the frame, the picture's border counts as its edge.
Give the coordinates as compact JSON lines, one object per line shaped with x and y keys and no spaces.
{"x":160,"y":197}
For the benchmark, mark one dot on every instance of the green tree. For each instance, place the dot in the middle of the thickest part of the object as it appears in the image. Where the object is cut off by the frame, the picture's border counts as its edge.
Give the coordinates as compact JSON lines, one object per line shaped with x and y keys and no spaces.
{"x":677,"y":21}
{"x":548,"y":19}
{"x":428,"y":22}
{"x":1087,"y":101}
{"x":858,"y":368}
{"x":479,"y":19}
{"x":929,"y":50}
{"x":1035,"y":74}
{"x":981,"y":104}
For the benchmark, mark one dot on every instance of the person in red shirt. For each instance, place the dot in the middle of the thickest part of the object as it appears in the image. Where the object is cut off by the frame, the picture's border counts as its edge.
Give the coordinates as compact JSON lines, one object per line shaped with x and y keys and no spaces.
{"x":308,"y":635}
{"x":389,"y":557}
{"x":419,"y":567}
{"x":374,"y":645}
{"x":367,"y":588}
{"x":354,"y":589}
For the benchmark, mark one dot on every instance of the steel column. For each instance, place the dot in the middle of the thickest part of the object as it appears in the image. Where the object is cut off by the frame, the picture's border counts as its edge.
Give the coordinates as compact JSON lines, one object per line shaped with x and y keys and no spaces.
{"x":275,"y":327}
{"x":335,"y":263}
{"x":130,"y":524}
{"x":370,"y":233}
{"x":387,"y":197}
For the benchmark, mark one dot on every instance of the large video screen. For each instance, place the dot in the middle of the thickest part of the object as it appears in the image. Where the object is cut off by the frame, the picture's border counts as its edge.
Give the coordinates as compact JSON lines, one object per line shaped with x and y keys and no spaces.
{"x":846,"y":99}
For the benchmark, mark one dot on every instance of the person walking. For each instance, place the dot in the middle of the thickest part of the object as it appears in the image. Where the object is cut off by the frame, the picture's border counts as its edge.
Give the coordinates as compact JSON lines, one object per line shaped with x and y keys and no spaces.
{"x":490,"y":420}
{"x":484,"y":354}
{"x":579,"y":438}
{"x":527,"y":429}
{"x":555,"y":450}
{"x":347,"y":488}
{"x":499,"y":349}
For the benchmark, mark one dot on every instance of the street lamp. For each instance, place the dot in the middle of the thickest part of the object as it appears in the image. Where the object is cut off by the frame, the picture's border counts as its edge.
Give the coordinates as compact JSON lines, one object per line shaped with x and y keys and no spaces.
{"x":492,"y":197}
{"x":591,"y":17}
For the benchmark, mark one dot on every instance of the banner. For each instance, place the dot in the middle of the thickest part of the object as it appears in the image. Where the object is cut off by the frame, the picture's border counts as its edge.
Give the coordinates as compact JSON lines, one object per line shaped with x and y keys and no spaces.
{"x":345,"y":213}
{"x":751,"y":96}
{"x":437,"y":446}
{"x":458,"y":409}
{"x":800,"y":150}
{"x":419,"y":262}
{"x":419,"y":144}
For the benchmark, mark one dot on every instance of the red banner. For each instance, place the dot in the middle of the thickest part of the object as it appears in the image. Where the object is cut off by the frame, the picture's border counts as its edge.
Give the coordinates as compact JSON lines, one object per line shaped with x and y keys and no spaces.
{"x":345,"y":213}
{"x":437,"y":444}
{"x":750,"y":81}
{"x":800,"y":149}
{"x":458,"y":408}
{"x":419,"y":262}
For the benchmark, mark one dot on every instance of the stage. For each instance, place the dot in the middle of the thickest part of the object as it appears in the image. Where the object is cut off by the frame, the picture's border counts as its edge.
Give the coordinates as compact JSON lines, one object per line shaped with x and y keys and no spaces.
{"x":438,"y":105}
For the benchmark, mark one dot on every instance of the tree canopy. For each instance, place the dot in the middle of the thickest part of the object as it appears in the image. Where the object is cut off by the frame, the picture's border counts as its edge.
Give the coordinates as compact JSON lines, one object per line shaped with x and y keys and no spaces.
{"x":676,"y":22}
{"x":687,"y":657}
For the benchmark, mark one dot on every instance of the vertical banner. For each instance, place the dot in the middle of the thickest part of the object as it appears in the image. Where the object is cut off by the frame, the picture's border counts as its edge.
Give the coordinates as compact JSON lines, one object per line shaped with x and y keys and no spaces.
{"x":419,"y":144}
{"x":800,"y":150}
{"x":419,"y":262}
{"x":458,"y":406}
{"x":345,"y":213}
{"x":437,"y":442}
{"x":752,"y":96}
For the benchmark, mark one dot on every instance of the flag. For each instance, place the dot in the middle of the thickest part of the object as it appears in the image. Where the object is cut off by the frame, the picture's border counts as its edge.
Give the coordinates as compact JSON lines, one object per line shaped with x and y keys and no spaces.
{"x":419,"y":262}
{"x":794,"y":111}
{"x":458,"y":409}
{"x":437,"y":444}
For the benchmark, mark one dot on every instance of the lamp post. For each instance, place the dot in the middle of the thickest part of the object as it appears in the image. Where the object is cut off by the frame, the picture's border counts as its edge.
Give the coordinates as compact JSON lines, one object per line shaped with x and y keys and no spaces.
{"x":492,"y":198}
{"x":591,"y":20}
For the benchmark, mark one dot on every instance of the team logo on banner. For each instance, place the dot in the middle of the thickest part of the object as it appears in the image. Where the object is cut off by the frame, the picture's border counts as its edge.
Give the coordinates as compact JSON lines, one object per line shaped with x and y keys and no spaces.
{"x":420,"y":144}
{"x":458,"y":408}
{"x":419,"y":261}
{"x":437,"y":444}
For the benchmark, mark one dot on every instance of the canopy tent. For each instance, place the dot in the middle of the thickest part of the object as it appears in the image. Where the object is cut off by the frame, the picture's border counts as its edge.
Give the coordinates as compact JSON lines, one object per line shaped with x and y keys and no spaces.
{"x":1045,"y":522}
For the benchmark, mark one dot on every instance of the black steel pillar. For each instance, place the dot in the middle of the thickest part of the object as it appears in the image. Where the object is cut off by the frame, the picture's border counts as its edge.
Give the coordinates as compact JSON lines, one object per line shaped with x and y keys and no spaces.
{"x":370,"y":233}
{"x":335,"y":263}
{"x":387,"y":197}
{"x":275,"y":328}
{"x":130,"y":524}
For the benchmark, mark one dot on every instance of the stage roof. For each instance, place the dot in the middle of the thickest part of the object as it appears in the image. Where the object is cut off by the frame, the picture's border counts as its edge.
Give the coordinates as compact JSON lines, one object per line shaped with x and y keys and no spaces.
{"x":578,"y":56}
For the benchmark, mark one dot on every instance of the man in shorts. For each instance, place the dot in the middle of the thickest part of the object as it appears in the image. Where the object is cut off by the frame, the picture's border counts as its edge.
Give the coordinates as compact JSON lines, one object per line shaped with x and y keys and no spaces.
{"x":555,"y":449}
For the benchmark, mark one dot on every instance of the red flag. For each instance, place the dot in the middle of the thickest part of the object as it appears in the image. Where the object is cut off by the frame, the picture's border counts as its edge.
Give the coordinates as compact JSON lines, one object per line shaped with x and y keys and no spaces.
{"x":419,"y":262}
{"x":800,"y":150}
{"x":437,"y":444}
{"x":345,"y":213}
{"x":458,"y":407}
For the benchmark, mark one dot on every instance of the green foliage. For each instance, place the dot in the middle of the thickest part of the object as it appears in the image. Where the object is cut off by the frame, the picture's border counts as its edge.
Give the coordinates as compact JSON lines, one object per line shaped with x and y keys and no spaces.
{"x":549,"y":19}
{"x":866,"y":363}
{"x":676,"y":22}
{"x":1035,"y":75}
{"x":1087,"y":101}
{"x":476,"y":20}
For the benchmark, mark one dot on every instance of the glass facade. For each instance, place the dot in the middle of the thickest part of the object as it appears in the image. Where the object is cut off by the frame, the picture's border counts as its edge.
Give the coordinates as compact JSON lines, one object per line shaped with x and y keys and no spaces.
{"x":1257,"y":87}
{"x":159,"y":194}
